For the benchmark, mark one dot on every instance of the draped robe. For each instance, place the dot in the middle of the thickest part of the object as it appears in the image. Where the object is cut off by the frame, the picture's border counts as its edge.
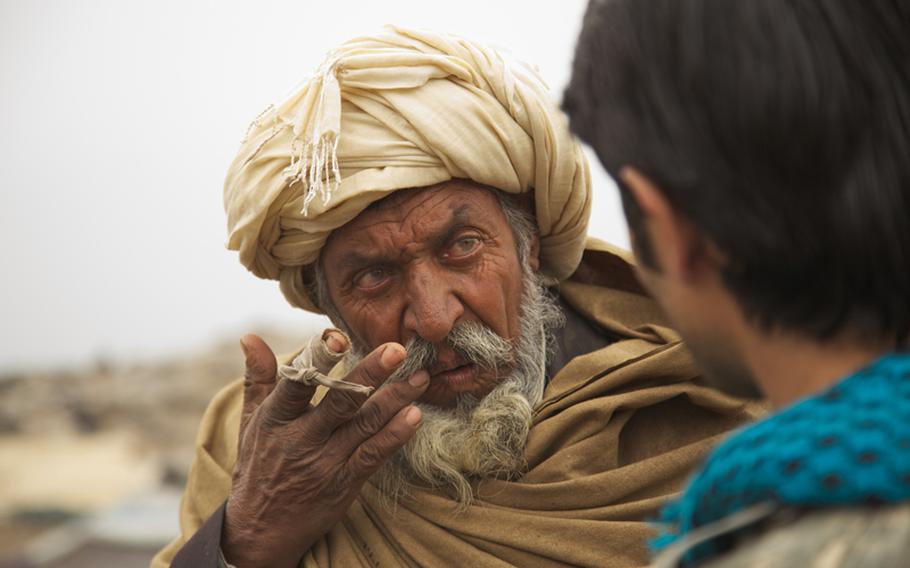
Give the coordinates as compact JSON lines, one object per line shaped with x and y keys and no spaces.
{"x":617,"y":432}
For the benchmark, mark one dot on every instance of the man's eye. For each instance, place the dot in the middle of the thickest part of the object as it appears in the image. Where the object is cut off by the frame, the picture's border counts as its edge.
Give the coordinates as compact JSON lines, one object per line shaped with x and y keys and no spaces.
{"x":371,"y":278}
{"x":464,"y":246}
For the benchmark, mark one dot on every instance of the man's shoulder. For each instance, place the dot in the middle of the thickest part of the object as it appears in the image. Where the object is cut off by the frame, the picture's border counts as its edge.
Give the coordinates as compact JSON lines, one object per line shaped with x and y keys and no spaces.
{"x":843,"y":537}
{"x":607,"y":266}
{"x":217,"y":434}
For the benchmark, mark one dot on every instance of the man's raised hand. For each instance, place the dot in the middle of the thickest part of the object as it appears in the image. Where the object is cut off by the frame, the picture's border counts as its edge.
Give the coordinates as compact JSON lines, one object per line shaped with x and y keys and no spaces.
{"x":299,"y":465}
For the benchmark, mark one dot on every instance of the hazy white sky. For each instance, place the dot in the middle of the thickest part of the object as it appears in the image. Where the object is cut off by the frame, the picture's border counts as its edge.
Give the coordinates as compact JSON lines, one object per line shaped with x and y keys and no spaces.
{"x":118,"y":120}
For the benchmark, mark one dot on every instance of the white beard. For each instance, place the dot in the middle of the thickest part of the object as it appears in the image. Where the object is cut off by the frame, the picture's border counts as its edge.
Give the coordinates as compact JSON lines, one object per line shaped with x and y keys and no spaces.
{"x":485,"y":438}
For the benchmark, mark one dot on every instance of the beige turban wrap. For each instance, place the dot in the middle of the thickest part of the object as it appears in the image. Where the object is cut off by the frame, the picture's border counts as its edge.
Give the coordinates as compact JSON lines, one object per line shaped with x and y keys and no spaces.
{"x":401,"y":110}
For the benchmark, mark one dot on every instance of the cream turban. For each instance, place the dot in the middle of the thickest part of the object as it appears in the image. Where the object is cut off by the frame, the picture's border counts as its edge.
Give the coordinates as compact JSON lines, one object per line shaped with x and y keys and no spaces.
{"x":400,"y":110}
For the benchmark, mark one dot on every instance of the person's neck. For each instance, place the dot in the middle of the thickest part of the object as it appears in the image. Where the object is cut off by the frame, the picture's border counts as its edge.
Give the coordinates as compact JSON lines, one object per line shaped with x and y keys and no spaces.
{"x":788,"y":366}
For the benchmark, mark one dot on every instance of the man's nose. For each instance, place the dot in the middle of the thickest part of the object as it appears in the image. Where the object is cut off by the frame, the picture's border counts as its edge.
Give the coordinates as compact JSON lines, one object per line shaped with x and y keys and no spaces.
{"x":433,"y":306}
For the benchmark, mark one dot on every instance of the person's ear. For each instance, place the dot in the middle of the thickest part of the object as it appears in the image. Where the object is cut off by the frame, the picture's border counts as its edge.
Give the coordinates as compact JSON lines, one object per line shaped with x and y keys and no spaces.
{"x":534,"y":252}
{"x":678,"y":248}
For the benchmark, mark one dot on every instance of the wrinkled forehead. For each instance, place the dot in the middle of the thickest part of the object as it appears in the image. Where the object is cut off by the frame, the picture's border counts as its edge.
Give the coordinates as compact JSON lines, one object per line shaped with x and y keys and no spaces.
{"x":420,"y":212}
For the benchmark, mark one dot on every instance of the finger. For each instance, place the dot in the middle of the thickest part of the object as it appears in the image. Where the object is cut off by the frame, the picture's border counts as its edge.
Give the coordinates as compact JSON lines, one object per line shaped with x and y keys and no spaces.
{"x":288,"y":401}
{"x":330,"y":348}
{"x":320,"y":354}
{"x":259,"y":375}
{"x":367,"y":458}
{"x":339,"y":406}
{"x":379,"y":409}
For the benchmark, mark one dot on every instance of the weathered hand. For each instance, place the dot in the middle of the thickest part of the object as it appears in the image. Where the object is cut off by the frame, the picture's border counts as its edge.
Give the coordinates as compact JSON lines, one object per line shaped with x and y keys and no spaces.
{"x":300,"y":466}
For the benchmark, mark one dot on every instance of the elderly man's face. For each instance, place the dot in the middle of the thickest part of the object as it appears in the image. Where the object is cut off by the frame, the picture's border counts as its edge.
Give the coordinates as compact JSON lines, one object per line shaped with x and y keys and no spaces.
{"x":422,"y":261}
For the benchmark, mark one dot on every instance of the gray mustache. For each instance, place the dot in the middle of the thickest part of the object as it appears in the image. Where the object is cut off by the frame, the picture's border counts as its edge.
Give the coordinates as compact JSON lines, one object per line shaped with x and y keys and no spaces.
{"x":471,"y":341}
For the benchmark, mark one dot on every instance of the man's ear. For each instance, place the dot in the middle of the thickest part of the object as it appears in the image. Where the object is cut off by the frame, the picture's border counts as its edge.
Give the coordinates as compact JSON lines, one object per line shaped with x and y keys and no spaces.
{"x":677,"y":246}
{"x":534,"y":253}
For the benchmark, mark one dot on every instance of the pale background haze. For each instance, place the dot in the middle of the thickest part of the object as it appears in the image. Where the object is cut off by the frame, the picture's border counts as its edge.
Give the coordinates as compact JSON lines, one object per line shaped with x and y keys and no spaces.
{"x":118,"y":120}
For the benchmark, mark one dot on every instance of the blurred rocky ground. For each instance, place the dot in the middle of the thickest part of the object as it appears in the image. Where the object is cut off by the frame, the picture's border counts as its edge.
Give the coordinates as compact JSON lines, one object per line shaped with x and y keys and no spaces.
{"x":92,"y":462}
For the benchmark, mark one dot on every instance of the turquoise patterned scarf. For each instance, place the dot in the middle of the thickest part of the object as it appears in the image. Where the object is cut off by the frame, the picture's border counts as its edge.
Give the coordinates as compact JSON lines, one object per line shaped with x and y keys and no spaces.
{"x":849,"y":444}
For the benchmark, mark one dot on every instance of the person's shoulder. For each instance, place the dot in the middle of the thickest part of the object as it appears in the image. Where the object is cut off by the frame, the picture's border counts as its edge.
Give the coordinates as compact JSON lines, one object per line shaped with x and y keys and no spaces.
{"x":226,"y":401}
{"x":843,"y":537}
{"x":607,"y":266}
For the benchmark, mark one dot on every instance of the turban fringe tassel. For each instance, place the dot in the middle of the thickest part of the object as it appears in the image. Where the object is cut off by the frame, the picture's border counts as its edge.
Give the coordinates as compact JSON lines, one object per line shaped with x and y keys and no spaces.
{"x":314,"y":158}
{"x":316,"y":167}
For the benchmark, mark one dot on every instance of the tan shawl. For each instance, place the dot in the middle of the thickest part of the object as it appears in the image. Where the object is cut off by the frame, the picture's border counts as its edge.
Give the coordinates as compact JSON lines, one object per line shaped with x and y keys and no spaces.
{"x":617,"y":432}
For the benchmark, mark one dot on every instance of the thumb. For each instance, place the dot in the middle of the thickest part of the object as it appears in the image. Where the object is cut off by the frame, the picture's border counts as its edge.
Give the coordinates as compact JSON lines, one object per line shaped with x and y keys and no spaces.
{"x":259,"y":377}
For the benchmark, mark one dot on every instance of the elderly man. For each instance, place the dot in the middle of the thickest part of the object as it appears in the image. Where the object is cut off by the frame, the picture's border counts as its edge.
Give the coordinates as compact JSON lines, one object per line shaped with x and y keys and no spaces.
{"x":762,"y":152}
{"x":423,"y":190}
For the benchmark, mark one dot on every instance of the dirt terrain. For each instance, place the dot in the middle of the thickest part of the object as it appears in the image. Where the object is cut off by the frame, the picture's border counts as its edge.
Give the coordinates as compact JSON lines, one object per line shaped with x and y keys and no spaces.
{"x":92,"y":461}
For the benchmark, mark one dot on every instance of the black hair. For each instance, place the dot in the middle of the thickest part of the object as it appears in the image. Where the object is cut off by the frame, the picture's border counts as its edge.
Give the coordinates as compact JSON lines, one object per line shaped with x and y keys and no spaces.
{"x":781,"y":130}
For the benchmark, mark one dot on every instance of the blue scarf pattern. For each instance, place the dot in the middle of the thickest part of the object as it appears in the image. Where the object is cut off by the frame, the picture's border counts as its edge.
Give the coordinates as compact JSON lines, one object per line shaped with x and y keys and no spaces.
{"x":847,"y":445}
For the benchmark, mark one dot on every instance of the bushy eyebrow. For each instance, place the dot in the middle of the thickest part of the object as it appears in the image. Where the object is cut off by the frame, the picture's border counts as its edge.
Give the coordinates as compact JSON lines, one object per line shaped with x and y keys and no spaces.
{"x":458,"y":222}
{"x":354,"y":260}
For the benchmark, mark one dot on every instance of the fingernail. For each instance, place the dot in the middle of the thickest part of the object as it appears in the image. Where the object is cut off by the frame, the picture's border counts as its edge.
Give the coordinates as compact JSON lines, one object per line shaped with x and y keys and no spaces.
{"x":412,"y":416}
{"x":335,"y":343}
{"x":419,"y":378}
{"x":244,"y":348}
{"x":392,"y":355}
